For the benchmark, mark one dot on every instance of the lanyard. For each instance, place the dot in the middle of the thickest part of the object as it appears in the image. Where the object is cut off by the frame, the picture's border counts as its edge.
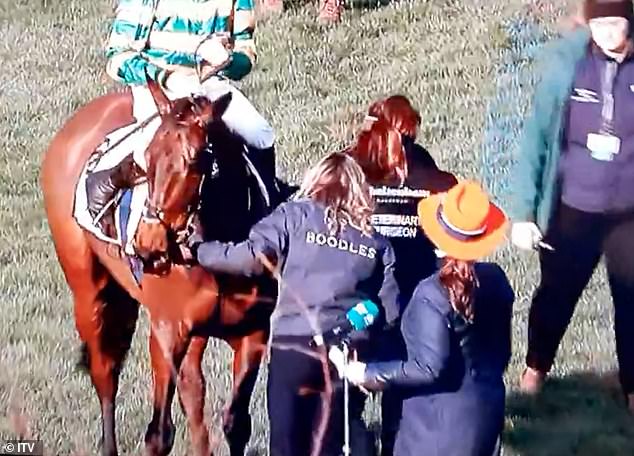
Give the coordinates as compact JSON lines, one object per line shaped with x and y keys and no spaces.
{"x":608,"y":75}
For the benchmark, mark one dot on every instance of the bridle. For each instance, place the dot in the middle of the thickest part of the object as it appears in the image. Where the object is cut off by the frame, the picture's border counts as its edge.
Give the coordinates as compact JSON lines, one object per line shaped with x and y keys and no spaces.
{"x":154,"y":215}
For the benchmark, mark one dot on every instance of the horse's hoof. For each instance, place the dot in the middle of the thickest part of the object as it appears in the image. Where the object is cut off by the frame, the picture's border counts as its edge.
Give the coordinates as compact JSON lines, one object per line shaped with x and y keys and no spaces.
{"x":157,"y":444}
{"x":237,"y":431}
{"x":227,"y":423}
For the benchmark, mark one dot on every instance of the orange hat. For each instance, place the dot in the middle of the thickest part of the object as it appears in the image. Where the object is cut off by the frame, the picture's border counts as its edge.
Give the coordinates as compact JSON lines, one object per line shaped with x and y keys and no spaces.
{"x":462,"y":222}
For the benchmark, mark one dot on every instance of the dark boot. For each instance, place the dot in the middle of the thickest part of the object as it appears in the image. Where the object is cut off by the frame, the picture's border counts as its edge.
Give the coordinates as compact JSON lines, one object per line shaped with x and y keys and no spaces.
{"x":286,"y":190}
{"x":264,"y":162}
{"x":102,"y":186}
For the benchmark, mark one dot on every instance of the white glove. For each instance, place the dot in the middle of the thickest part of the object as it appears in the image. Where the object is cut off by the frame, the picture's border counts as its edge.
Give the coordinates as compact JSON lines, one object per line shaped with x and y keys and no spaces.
{"x":336,"y":357}
{"x":525,"y":235}
{"x":213,"y":51}
{"x":355,"y":372}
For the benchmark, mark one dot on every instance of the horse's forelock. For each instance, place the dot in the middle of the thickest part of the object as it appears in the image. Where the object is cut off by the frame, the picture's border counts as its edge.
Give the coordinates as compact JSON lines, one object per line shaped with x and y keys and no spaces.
{"x":189,"y":109}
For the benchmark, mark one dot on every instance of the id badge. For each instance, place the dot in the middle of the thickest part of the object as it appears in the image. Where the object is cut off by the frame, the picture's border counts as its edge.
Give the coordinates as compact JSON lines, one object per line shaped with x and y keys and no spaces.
{"x":603,"y":147}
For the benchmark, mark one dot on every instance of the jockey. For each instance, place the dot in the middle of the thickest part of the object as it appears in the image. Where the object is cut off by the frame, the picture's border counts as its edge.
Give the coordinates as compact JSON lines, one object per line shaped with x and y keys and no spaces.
{"x":169,"y":40}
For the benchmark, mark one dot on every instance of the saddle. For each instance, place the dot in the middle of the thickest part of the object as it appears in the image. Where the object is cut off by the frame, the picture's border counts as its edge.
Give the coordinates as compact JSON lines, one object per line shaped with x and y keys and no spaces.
{"x":112,"y":191}
{"x":111,"y":173}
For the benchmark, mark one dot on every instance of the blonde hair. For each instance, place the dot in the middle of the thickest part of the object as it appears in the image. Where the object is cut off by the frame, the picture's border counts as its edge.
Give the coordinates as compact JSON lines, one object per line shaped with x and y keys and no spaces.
{"x":338,"y":182}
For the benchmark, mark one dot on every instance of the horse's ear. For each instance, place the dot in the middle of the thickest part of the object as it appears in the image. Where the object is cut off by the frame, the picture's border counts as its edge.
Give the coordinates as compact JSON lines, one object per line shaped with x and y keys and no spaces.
{"x":217,"y":108}
{"x":163,"y":104}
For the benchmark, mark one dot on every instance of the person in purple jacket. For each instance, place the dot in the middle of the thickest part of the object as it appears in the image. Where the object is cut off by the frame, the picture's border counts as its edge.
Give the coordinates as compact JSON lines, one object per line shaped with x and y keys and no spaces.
{"x":574,"y":185}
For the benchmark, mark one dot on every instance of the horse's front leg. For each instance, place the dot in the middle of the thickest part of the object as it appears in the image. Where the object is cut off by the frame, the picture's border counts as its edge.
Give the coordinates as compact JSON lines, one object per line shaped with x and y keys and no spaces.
{"x":248,"y":354}
{"x":191,"y":392}
{"x":168,"y":345}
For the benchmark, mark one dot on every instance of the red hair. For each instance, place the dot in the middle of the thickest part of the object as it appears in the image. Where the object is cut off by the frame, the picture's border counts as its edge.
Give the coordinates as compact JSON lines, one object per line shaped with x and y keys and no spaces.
{"x":398,"y":112}
{"x":379,"y":152}
{"x":459,"y":279}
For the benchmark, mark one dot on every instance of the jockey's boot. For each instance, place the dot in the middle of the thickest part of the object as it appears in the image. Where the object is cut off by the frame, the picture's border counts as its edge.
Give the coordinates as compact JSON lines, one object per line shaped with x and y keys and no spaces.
{"x":101,"y":187}
{"x":286,"y":190}
{"x":264,"y":162}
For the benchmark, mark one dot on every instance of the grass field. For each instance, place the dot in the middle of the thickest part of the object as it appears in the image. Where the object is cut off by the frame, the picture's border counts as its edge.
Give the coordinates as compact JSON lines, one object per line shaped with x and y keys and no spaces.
{"x":461,"y":63}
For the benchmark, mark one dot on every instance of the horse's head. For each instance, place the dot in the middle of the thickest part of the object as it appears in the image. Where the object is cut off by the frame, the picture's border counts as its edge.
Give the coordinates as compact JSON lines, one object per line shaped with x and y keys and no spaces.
{"x":174,"y":170}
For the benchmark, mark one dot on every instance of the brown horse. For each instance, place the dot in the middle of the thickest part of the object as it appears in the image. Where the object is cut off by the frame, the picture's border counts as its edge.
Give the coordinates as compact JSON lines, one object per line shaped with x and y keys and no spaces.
{"x":185,"y":304}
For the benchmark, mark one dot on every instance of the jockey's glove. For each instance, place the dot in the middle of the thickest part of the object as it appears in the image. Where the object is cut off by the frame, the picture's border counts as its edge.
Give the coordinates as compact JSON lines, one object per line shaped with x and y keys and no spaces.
{"x":214,"y":51}
{"x":336,"y":356}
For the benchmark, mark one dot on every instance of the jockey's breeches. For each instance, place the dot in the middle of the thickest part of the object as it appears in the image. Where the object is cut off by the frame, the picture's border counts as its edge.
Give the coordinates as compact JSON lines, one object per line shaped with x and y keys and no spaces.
{"x":241,"y":117}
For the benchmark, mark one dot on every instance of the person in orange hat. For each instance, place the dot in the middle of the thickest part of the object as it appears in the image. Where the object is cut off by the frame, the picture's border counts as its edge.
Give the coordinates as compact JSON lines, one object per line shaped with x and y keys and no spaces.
{"x":457,"y":328}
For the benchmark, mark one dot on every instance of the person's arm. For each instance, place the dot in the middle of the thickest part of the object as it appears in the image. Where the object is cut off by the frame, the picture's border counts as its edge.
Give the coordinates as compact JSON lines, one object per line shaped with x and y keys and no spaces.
{"x":557,"y":67}
{"x":505,"y":298}
{"x":388,"y":298}
{"x":532,"y":153}
{"x":269,"y":237}
{"x":389,"y":293}
{"x":244,"y":54}
{"x":427,"y":335}
{"x":128,"y":36}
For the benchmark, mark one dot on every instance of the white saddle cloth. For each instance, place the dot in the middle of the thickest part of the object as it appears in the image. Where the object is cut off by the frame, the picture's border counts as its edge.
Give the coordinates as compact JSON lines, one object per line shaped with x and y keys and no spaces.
{"x":118,"y":145}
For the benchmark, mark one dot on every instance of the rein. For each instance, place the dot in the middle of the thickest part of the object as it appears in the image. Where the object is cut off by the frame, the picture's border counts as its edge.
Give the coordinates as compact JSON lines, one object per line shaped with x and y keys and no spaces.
{"x":94,"y":160}
{"x":216,"y":69}
{"x":154,"y":216}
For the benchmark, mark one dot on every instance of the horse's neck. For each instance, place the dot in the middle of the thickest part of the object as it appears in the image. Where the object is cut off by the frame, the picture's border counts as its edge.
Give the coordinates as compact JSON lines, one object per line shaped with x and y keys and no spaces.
{"x":229,"y":206}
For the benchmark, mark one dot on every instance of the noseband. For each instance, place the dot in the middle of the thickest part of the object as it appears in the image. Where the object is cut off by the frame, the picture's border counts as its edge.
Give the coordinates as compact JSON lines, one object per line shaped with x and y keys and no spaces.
{"x":155,"y":215}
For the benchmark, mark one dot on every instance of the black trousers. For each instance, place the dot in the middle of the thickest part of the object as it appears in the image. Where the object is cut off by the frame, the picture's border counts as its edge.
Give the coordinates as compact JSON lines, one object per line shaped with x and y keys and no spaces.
{"x":390,"y":346}
{"x":295,"y":405}
{"x":391,"y":412}
{"x":580,"y":239}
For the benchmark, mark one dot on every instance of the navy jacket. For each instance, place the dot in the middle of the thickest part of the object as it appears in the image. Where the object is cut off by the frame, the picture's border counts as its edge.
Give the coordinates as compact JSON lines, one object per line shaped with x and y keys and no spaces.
{"x":589,"y":184}
{"x":452,"y":379}
{"x":320,"y":275}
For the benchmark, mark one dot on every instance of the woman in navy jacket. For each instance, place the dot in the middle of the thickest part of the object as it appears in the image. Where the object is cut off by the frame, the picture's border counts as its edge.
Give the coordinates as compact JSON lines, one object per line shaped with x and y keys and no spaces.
{"x":329,"y":258}
{"x":457,"y":328}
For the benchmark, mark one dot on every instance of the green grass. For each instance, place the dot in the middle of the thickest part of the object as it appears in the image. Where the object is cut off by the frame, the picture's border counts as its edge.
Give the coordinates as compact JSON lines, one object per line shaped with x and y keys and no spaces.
{"x":313,"y":82}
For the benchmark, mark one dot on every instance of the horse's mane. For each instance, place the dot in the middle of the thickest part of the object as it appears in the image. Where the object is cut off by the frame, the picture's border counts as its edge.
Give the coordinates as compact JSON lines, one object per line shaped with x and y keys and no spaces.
{"x":231,"y":201}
